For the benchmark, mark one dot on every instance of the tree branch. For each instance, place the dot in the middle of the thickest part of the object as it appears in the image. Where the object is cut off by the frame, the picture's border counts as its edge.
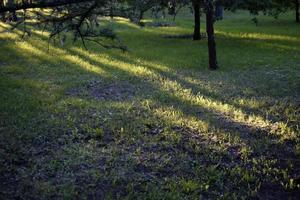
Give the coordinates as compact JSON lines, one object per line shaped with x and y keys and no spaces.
{"x":43,"y":4}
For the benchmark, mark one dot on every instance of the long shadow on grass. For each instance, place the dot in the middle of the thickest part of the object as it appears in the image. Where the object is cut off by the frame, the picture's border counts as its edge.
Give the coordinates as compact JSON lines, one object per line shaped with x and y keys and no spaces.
{"x":189,"y":108}
{"x":176,"y":76}
{"x":217,"y":121}
{"x":28,"y":129}
{"x":163,"y":98}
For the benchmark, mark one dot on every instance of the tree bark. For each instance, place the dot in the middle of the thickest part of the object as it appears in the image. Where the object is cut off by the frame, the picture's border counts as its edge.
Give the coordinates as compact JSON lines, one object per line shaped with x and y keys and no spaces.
{"x":212,"y":52}
{"x":196,"y":6}
{"x":297,"y":11}
{"x":2,"y":15}
{"x":111,"y":12}
{"x":141,"y":15}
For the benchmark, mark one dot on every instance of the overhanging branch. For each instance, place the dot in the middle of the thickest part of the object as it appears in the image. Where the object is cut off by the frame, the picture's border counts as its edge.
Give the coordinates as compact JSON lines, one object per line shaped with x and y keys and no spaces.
{"x":42,"y":4}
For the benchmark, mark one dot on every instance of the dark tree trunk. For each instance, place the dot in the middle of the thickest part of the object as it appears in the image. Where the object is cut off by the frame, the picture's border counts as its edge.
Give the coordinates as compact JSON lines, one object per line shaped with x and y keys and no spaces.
{"x":111,"y":8}
{"x":2,"y":15}
{"x":196,"y":6}
{"x":141,"y":16}
{"x":297,"y":11}
{"x":212,"y":52}
{"x":111,"y":12}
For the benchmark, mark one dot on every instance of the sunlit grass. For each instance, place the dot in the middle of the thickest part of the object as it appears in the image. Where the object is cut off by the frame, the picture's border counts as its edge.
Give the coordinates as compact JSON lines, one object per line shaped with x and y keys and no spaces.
{"x":259,"y":36}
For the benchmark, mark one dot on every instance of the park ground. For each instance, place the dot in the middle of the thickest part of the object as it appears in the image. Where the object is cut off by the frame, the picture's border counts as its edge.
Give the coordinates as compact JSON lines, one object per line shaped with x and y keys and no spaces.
{"x":153,"y":122}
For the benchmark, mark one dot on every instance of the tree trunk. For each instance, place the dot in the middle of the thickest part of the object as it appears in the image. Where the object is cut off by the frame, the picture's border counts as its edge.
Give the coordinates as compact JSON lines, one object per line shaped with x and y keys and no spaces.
{"x":111,"y":12}
{"x":141,"y":16}
{"x":297,"y":11}
{"x":212,"y":52}
{"x":196,"y":6}
{"x":2,"y":15}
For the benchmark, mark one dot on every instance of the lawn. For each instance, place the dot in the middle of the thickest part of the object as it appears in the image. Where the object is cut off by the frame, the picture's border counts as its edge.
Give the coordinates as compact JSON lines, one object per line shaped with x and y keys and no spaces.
{"x":153,"y":122}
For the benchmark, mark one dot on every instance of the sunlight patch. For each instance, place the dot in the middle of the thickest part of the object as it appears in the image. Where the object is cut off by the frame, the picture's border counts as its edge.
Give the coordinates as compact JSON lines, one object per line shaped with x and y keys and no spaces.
{"x":259,"y":36}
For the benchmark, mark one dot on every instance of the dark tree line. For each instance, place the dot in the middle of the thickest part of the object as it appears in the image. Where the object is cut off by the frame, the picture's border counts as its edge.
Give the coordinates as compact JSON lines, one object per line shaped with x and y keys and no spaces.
{"x":270,"y":7}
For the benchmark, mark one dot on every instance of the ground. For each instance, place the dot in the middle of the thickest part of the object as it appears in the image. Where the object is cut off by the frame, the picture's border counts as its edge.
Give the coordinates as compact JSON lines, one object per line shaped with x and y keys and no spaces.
{"x":153,"y":122}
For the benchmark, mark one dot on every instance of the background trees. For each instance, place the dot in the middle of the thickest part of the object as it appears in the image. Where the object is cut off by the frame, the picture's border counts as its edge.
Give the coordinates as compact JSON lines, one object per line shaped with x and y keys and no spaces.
{"x":269,"y":7}
{"x":279,"y":6}
{"x":80,"y":17}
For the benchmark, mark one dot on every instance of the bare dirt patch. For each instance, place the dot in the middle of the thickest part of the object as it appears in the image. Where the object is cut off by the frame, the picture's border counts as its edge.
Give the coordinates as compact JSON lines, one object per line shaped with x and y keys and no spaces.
{"x":115,"y":91}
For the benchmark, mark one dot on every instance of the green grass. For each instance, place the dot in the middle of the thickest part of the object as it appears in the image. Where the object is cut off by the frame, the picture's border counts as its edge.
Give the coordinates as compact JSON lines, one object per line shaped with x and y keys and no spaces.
{"x":153,"y":123}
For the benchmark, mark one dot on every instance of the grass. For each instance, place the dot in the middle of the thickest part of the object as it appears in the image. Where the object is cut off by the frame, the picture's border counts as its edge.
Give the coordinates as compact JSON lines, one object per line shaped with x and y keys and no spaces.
{"x":153,"y":123}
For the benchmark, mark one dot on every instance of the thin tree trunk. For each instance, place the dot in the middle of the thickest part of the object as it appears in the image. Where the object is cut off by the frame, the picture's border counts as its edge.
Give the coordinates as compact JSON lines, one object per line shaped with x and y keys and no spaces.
{"x":2,"y":15}
{"x":212,"y":52}
{"x":111,"y":9}
{"x":141,"y":16}
{"x":297,"y":11}
{"x":196,"y":6}
{"x":111,"y":13}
